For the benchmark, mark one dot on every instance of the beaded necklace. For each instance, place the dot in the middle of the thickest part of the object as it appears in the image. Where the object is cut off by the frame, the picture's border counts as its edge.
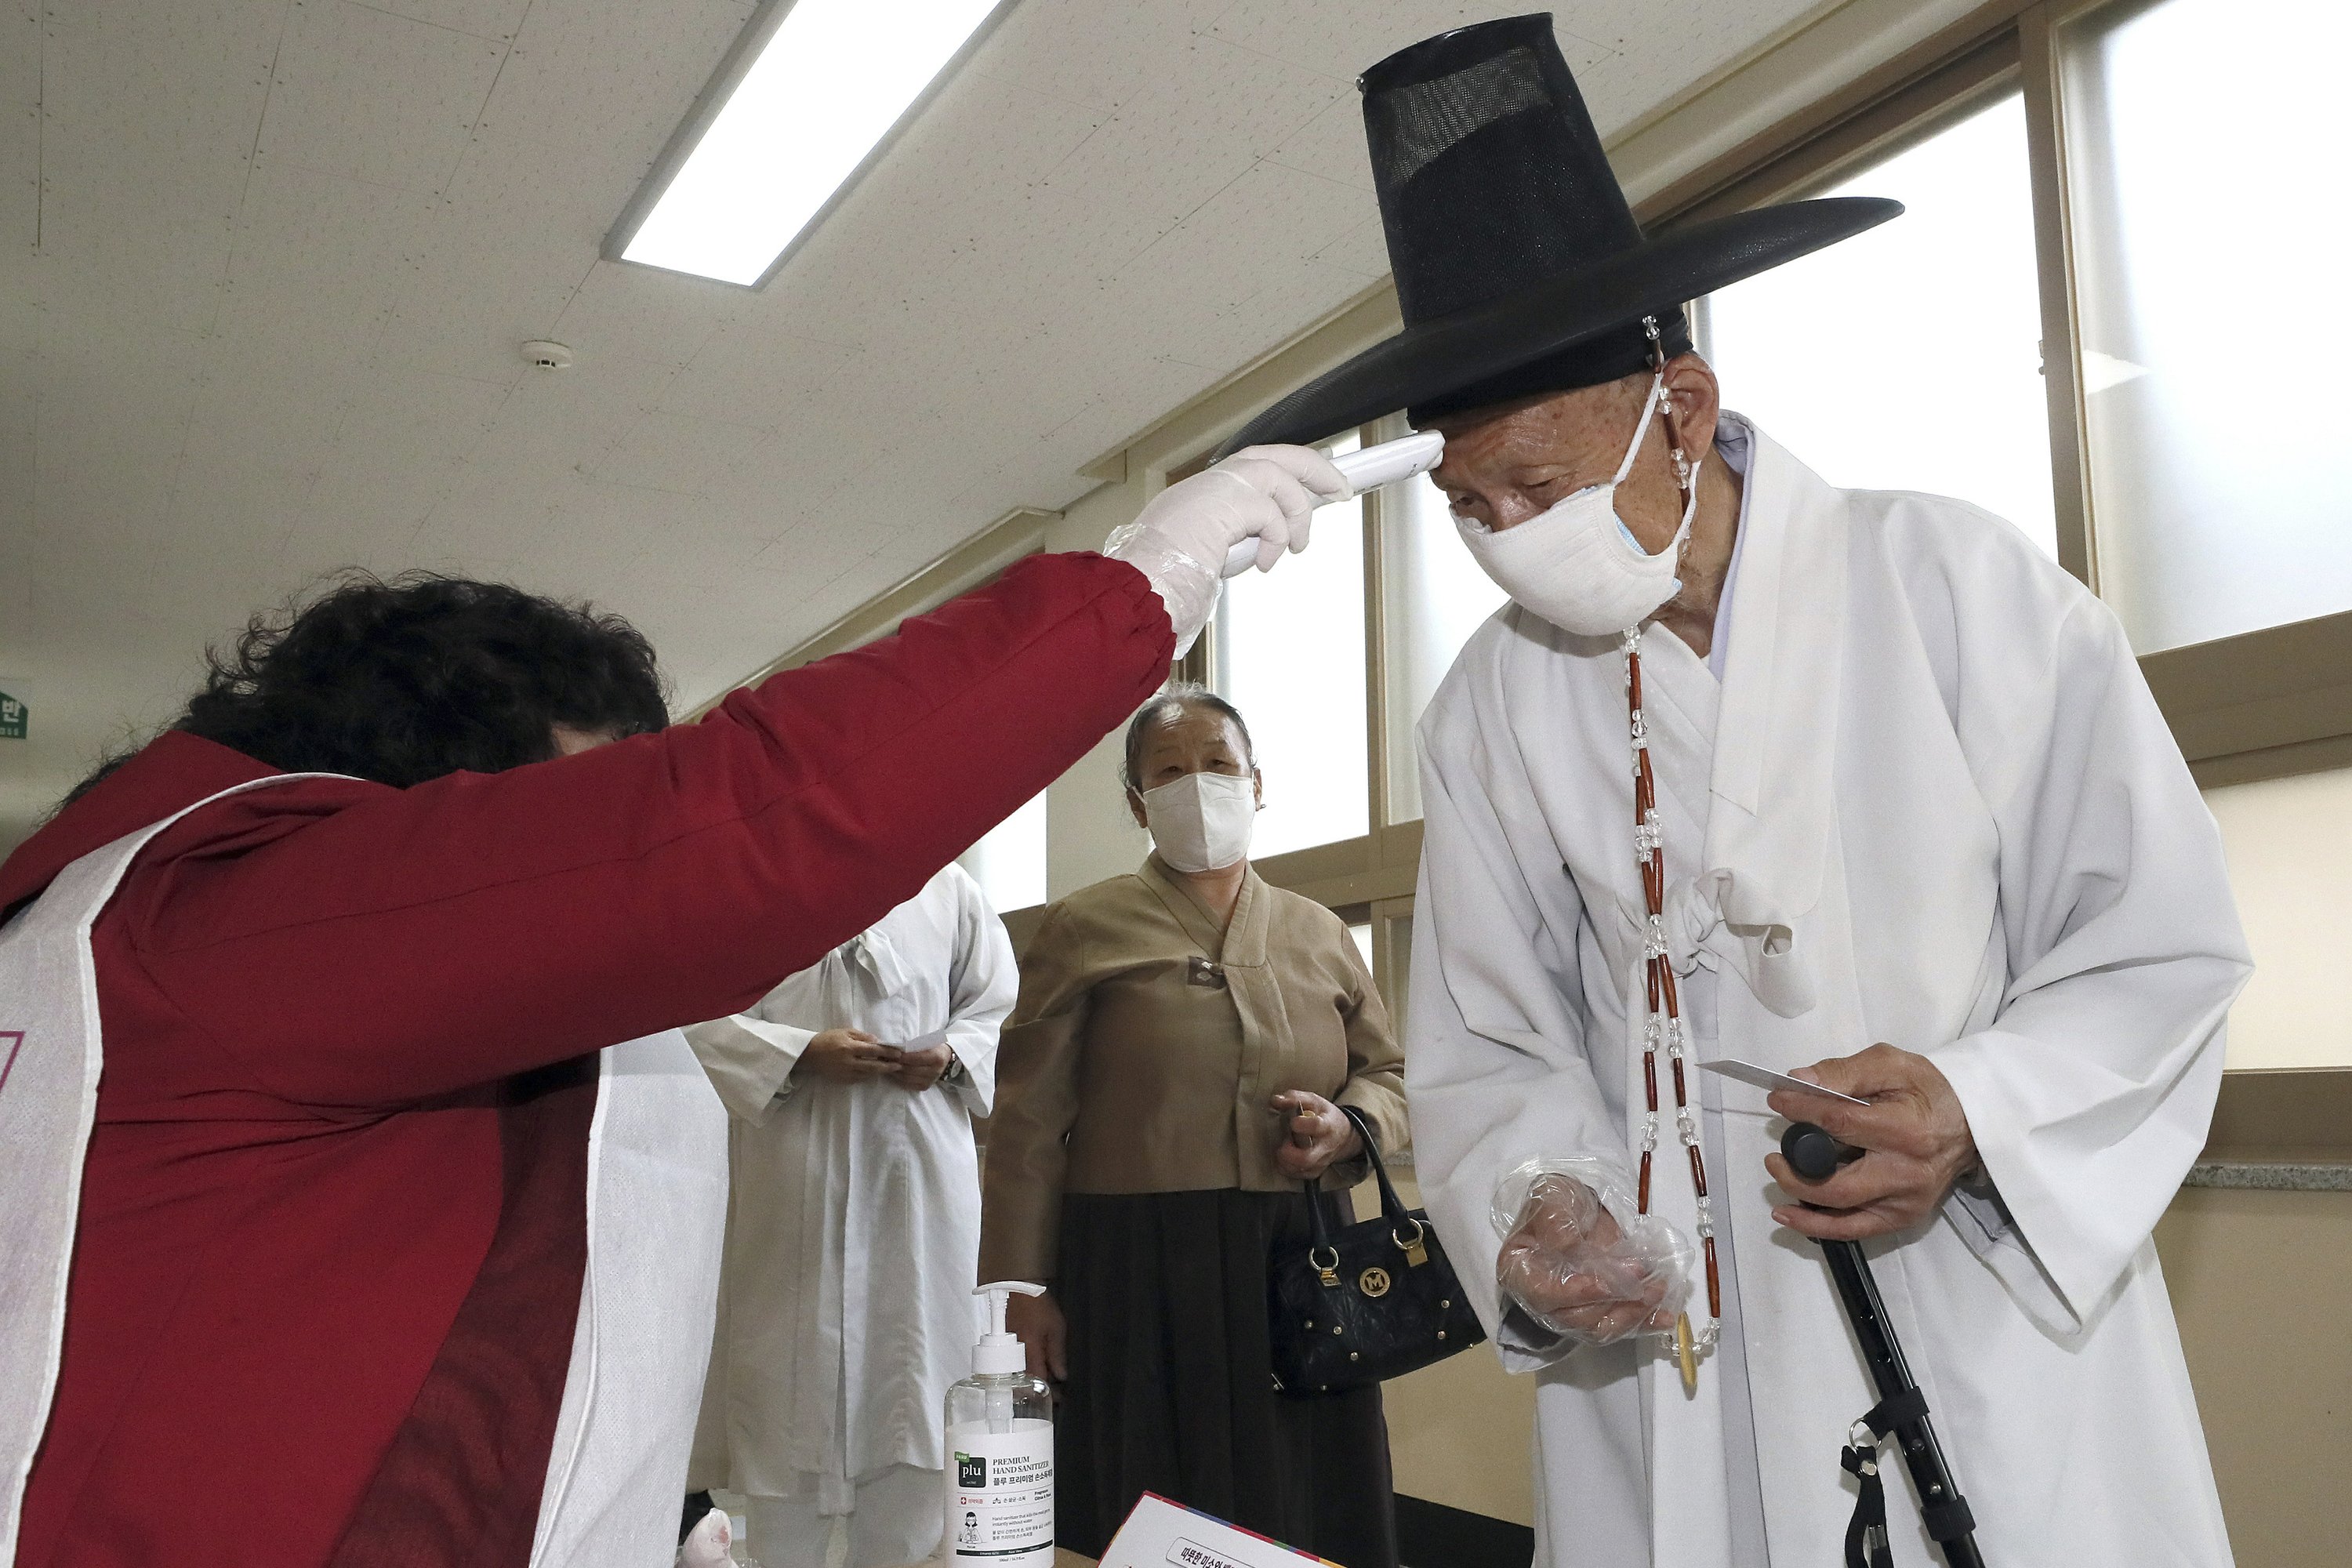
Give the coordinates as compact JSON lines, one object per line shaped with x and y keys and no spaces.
{"x":1661,"y":1022}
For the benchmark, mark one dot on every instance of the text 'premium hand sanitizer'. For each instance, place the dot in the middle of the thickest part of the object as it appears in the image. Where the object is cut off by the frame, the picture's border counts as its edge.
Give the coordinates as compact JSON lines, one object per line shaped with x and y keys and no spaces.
{"x":999,"y":1452}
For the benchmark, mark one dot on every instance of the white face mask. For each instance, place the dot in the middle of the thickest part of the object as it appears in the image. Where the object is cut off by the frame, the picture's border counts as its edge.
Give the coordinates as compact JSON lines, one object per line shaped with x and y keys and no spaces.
{"x":1201,"y":822}
{"x":1577,"y":565}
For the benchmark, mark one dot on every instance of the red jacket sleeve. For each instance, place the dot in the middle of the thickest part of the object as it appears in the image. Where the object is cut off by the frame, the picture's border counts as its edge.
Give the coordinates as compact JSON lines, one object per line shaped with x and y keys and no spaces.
{"x":408,"y":942}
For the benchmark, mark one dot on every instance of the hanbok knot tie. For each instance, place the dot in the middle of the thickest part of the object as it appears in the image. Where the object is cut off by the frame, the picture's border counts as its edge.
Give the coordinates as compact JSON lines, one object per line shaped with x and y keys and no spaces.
{"x":1714,"y":919}
{"x":870,"y":953}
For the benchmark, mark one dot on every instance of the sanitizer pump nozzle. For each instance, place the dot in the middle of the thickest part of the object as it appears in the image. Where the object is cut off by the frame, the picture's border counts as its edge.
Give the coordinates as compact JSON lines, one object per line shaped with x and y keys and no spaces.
{"x":999,"y":1350}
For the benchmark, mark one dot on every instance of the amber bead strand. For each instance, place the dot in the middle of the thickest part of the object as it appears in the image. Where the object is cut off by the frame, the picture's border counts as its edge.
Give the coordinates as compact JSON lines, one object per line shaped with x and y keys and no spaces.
{"x":1663,"y":1022}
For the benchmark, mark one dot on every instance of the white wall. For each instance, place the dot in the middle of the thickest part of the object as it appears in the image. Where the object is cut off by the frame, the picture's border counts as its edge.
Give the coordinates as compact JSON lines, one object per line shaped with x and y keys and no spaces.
{"x":2290,"y":846}
{"x":1089,"y":834}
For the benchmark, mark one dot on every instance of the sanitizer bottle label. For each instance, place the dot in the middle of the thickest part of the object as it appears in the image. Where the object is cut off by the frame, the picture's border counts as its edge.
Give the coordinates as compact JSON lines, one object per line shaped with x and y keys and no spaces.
{"x":1000,"y":1496}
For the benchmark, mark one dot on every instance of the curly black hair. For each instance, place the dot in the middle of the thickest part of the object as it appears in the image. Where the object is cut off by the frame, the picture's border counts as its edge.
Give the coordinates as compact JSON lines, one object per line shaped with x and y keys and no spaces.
{"x":405,"y":680}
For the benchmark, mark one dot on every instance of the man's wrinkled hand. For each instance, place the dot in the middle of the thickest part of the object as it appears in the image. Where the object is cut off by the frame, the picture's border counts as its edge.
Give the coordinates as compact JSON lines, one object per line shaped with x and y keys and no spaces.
{"x":845,"y":1056}
{"x":1914,"y":1135}
{"x":1568,"y":1265}
{"x":917,"y":1070}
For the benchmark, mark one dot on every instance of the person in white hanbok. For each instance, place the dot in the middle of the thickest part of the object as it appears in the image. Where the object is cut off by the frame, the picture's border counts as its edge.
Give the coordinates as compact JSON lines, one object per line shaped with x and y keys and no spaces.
{"x":1920,"y":833}
{"x":853,"y":1230}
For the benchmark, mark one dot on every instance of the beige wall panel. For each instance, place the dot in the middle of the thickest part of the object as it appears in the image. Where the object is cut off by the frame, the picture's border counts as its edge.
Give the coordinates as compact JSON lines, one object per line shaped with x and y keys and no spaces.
{"x":2290,"y":847}
{"x":2245,"y":1269}
{"x":1460,"y":1433}
{"x":2259,"y":1279}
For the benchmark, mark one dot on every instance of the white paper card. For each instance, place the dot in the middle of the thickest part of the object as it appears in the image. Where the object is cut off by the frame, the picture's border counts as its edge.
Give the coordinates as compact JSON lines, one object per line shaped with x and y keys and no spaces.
{"x":1767,"y":1079}
{"x":1163,"y":1534}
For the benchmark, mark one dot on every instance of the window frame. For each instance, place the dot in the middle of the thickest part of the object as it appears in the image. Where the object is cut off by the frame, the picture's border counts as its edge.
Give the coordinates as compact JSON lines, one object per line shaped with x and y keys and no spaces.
{"x":2259,"y":705}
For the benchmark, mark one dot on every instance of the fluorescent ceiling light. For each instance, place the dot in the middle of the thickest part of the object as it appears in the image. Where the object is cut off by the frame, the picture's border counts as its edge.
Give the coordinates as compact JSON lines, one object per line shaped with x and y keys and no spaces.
{"x":812,"y":103}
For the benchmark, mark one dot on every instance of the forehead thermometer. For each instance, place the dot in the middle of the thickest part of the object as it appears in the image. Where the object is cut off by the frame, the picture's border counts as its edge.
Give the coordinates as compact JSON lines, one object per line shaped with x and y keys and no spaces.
{"x":1365,"y":469}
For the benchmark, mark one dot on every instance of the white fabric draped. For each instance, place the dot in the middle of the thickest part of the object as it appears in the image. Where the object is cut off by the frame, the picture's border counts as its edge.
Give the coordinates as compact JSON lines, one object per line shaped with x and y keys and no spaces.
{"x":854,"y":1228}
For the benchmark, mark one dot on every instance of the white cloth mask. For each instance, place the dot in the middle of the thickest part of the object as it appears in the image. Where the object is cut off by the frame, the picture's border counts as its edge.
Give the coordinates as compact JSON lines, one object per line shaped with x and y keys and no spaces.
{"x":1201,"y":822}
{"x":1577,"y":565}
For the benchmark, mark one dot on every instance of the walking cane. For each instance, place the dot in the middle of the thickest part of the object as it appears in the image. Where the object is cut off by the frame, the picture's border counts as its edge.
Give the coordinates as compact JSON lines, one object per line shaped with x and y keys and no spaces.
{"x":1902,"y":1409}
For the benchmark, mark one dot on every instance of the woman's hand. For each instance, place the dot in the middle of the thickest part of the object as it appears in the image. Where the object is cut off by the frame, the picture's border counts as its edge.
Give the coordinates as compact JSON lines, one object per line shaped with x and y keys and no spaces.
{"x":846,"y":1056}
{"x":1044,"y":1337}
{"x":1317,"y":1135}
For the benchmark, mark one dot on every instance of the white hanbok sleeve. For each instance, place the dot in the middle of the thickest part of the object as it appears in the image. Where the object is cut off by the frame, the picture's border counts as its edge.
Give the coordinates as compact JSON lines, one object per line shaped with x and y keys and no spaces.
{"x":748,"y":1060}
{"x":1496,"y":1072}
{"x":2091,"y":1092}
{"x":983,"y":983}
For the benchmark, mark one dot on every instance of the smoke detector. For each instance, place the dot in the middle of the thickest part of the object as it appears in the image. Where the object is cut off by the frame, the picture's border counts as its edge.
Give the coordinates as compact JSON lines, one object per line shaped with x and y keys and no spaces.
{"x":543,"y":355}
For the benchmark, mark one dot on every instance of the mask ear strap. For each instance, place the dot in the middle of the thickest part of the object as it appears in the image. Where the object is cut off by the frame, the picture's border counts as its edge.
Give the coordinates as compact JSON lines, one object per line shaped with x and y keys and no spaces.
{"x":1684,"y":479}
{"x":1642,"y":430}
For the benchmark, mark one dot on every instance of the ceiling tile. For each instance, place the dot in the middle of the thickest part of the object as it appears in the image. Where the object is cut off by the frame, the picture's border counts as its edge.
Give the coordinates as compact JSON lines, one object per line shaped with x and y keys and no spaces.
{"x":751,"y":373}
{"x":1340,"y":38}
{"x":367,"y":95}
{"x":556,"y":422}
{"x":496,"y":19}
{"x":1176,"y":144}
{"x":1363,"y":250}
{"x":1090,"y":53}
{"x":675,"y":453}
{"x":146,"y":141}
{"x":317,"y":265}
{"x":1331,"y":145}
{"x":635,"y":312}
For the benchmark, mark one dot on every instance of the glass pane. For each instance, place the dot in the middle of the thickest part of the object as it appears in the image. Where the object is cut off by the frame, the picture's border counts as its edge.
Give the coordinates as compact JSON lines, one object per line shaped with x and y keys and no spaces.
{"x":1943,"y":301}
{"x":1291,"y":654}
{"x":2291,"y":867}
{"x":1009,"y":863}
{"x":1434,"y":597}
{"x":2205,"y":137}
{"x":1397,"y":983}
{"x":1361,"y":935}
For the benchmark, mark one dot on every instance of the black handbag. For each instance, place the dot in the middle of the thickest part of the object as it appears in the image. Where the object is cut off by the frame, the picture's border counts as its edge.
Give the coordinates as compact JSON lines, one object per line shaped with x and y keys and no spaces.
{"x":1369,"y":1301}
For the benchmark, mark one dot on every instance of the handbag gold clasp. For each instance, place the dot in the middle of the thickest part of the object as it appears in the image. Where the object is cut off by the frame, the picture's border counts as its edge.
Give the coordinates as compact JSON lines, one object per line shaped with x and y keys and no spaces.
{"x":1415,"y":1252}
{"x":1330,"y":1271}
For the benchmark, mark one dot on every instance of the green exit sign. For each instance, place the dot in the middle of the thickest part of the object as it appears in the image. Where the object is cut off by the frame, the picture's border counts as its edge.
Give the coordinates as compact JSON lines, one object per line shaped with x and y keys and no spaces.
{"x":14,"y":717}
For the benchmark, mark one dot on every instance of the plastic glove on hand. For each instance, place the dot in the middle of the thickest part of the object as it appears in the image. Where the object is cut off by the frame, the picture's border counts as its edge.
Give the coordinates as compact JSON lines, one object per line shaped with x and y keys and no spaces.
{"x":1576,"y":1270}
{"x":710,"y":1545}
{"x":1182,"y":538}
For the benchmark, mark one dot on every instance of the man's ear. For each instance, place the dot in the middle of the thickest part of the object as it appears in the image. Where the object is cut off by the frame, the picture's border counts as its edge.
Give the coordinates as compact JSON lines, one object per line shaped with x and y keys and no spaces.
{"x":1259,"y":780}
{"x":1697,"y":401}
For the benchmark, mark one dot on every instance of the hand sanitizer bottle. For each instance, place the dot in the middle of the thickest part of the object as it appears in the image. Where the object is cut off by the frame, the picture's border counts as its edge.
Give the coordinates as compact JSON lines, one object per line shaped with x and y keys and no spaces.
{"x":999,"y":1452}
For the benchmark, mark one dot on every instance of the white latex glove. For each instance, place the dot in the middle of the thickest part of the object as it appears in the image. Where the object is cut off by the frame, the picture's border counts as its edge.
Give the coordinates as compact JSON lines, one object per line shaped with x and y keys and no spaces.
{"x":1573,"y":1267}
{"x":1182,"y":538}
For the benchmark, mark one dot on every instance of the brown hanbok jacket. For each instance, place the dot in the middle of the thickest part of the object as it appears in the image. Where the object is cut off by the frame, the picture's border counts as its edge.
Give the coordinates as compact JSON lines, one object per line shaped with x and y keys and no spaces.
{"x":1147,"y":1043}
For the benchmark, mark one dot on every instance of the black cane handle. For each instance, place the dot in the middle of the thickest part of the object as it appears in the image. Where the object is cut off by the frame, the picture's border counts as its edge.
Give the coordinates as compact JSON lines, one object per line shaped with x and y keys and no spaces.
{"x":1811,"y":1152}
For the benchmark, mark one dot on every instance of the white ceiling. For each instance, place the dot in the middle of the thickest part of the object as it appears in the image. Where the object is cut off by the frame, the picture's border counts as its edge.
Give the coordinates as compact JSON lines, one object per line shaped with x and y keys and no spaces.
{"x":265,"y":265}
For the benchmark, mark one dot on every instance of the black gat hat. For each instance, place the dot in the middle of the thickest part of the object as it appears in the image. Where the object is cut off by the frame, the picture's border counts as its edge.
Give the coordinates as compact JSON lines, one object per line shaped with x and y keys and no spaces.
{"x":1519,"y":269}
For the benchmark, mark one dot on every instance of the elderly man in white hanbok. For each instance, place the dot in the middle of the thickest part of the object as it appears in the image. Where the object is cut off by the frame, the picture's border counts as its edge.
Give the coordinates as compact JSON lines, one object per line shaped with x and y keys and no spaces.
{"x":853,"y":1233}
{"x":1910,"y":825}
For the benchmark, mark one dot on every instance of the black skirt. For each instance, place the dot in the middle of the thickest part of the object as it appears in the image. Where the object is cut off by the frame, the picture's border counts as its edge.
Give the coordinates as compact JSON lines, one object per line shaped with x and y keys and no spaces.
{"x":1170,"y":1386}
